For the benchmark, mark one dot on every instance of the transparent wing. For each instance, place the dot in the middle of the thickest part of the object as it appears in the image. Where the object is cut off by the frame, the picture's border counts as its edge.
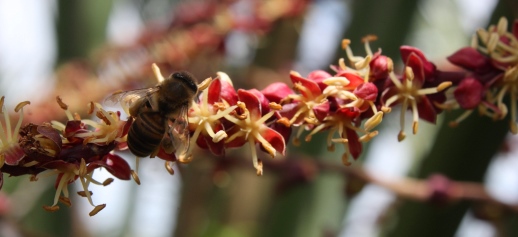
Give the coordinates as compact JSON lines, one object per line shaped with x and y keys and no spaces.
{"x":129,"y":98}
{"x":180,"y":135}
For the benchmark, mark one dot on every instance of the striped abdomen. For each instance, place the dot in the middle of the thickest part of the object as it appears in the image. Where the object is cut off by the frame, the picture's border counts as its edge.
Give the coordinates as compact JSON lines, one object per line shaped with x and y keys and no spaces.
{"x":146,"y":133}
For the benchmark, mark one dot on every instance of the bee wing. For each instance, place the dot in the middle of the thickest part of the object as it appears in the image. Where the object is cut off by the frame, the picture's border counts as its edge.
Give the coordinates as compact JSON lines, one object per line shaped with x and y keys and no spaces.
{"x":180,"y":134}
{"x":129,"y":98}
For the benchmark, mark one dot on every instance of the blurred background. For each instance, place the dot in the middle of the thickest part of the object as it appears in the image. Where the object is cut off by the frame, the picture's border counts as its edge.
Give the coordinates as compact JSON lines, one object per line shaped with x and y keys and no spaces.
{"x":85,"y":50}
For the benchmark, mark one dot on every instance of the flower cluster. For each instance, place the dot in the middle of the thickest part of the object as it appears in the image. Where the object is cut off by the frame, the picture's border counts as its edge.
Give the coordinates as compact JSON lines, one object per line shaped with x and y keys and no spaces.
{"x":492,"y":74}
{"x":70,"y":151}
{"x":347,"y":104}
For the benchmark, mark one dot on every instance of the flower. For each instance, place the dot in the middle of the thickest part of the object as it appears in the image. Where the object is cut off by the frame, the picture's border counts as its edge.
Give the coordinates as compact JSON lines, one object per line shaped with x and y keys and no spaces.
{"x":70,"y":151}
{"x":344,"y":122}
{"x":250,"y":127}
{"x":493,"y":74}
{"x":412,"y":90}
{"x":10,"y":151}
{"x":205,"y":116}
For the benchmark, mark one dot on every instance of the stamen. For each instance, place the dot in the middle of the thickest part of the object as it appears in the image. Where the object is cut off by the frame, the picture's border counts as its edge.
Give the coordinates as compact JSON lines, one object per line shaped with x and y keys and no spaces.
{"x":108,"y":181}
{"x":336,"y":81}
{"x":135,"y":177}
{"x":401,"y":136}
{"x":169,"y":167}
{"x":415,"y":116}
{"x":275,"y":106}
{"x":267,"y":146}
{"x":345,"y":159}
{"x":501,"y":28}
{"x":65,"y":201}
{"x":91,"y":107}
{"x":373,"y":121}
{"x":97,"y":209}
{"x":363,"y":63}
{"x":157,"y":73}
{"x":21,"y":105}
{"x":83,"y":193}
{"x":257,"y":163}
{"x":85,"y":190}
{"x":51,"y":208}
{"x":220,"y":135}
{"x":284,"y":121}
{"x":204,"y":84}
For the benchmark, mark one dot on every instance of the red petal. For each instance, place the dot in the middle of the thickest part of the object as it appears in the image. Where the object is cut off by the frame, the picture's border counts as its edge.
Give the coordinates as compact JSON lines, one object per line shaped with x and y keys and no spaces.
{"x":214,"y":91}
{"x":428,"y":67}
{"x":355,"y":146}
{"x":313,"y":90}
{"x":277,"y":91}
{"x":14,"y":155}
{"x":72,"y":127}
{"x":238,"y":141}
{"x":515,"y":28}
{"x":228,"y":93}
{"x":379,"y":66}
{"x":265,"y":107}
{"x":416,"y":64}
{"x":367,"y":91}
{"x":319,"y":76}
{"x":114,"y":164}
{"x":321,"y":111}
{"x":165,"y":156}
{"x":348,"y":112}
{"x":275,"y":139}
{"x":217,"y":149}
{"x":469,"y":93}
{"x":468,"y":58}
{"x":251,"y":101}
{"x":426,"y":110}
{"x":354,"y":80}
{"x":289,"y":110}
{"x":204,"y":141}
{"x":283,"y":130}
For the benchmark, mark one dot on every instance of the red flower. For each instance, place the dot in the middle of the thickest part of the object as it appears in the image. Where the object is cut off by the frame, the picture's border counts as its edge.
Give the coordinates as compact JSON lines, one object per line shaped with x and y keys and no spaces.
{"x":250,"y":127}
{"x":411,"y":91}
{"x":205,"y":116}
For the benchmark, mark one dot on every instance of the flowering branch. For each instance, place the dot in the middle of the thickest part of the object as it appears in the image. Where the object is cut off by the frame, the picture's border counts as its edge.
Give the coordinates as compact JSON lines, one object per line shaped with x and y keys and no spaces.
{"x":347,"y":104}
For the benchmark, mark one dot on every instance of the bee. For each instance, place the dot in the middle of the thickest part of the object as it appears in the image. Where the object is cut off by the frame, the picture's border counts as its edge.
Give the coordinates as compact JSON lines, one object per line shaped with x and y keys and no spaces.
{"x":160,"y":114}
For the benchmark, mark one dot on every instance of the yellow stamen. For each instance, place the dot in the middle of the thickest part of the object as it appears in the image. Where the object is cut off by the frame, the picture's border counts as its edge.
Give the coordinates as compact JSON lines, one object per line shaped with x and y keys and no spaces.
{"x":97,"y":209}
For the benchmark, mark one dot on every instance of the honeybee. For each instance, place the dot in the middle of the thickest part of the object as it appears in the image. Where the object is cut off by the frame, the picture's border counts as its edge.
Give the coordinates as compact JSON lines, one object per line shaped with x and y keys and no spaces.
{"x":160,"y":114}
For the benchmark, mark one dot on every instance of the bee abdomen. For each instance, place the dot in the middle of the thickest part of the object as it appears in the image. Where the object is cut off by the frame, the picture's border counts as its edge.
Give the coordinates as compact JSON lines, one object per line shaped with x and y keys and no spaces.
{"x":146,"y":133}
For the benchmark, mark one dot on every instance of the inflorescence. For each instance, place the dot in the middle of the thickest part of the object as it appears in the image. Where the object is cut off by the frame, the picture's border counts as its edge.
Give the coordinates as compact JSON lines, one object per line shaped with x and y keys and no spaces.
{"x":347,"y":105}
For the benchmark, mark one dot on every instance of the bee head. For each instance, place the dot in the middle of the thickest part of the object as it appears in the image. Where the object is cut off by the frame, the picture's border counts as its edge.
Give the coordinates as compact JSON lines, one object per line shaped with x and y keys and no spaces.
{"x":187,"y":79}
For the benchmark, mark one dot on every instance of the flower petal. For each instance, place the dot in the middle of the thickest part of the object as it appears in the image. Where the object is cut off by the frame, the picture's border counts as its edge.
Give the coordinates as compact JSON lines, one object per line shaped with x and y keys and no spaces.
{"x":417,"y":65}
{"x":366,"y":91}
{"x":214,"y":91}
{"x":319,"y":76}
{"x":321,"y":110}
{"x":469,"y":58}
{"x":275,"y":139}
{"x":228,"y":93}
{"x":428,"y":67}
{"x":114,"y":164}
{"x":354,"y":80}
{"x":379,"y":66}
{"x":426,"y":110}
{"x":355,"y":146}
{"x":469,"y":93}
{"x":277,"y":91}
{"x":312,"y":88}
{"x":252,"y":102}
